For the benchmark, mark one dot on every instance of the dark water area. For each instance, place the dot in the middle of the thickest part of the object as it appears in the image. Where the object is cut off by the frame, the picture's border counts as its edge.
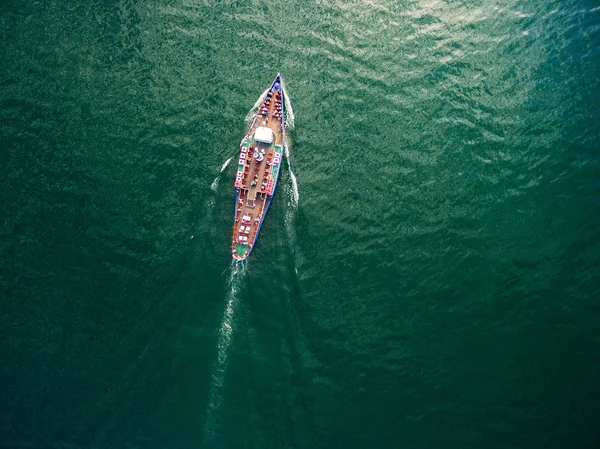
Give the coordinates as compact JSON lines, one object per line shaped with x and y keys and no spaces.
{"x":431,"y":281}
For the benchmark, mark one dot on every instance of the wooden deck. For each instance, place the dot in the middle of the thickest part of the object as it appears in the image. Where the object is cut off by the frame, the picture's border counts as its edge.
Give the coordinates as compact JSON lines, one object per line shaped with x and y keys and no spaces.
{"x":253,"y":192}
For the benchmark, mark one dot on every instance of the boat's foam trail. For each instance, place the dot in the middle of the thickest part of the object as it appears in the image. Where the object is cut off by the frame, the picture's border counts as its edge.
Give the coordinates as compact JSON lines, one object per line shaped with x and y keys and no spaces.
{"x":224,"y":166}
{"x":215,"y":183}
{"x":215,"y":396}
{"x":289,"y":112}
{"x":296,"y":193}
{"x":289,"y":125}
{"x":294,"y":185}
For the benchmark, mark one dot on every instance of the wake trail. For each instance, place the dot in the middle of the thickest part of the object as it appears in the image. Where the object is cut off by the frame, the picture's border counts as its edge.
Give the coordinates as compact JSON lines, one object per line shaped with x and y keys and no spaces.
{"x":215,"y":184}
{"x":295,"y":192}
{"x":215,"y":397}
{"x":224,"y":166}
{"x":294,"y":198}
{"x":290,"y":119}
{"x":289,"y":124}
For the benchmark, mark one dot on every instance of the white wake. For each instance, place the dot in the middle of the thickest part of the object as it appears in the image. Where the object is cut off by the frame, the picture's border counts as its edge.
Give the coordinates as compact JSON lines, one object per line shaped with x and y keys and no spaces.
{"x":224,"y":166}
{"x":289,"y":125}
{"x":288,"y":111}
{"x":215,"y":183}
{"x":215,"y":397}
{"x":295,"y":191}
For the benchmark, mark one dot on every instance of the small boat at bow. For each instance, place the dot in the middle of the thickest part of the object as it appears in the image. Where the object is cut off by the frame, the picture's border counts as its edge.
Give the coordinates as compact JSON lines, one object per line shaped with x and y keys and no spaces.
{"x":261,"y":155}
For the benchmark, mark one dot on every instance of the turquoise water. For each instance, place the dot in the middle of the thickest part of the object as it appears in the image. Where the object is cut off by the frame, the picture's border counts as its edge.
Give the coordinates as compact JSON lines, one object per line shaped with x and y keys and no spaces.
{"x":428,"y":273}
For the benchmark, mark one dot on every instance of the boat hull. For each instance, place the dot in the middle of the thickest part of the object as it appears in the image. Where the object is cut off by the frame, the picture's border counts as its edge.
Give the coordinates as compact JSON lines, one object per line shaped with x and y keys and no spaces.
{"x":259,"y":165}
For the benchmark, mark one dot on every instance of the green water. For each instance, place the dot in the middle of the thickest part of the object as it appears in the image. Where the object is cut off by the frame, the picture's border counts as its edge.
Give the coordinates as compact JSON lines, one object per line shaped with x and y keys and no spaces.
{"x":432,"y":283}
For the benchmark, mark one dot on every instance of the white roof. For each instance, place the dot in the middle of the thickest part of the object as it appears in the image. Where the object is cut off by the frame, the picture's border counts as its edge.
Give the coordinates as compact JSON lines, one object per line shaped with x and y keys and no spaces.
{"x":264,"y":134}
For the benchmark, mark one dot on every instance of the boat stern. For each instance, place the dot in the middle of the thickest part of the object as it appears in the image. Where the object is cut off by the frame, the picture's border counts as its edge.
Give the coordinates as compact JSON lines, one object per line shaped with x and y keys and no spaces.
{"x":241,"y":252}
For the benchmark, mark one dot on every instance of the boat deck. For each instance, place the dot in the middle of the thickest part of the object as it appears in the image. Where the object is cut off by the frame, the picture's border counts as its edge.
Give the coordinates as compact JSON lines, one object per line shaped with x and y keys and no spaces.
{"x":258,"y":168}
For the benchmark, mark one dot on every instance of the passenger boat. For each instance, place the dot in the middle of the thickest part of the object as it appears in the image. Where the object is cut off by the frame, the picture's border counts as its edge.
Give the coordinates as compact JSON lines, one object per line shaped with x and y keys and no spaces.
{"x":261,"y":155}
